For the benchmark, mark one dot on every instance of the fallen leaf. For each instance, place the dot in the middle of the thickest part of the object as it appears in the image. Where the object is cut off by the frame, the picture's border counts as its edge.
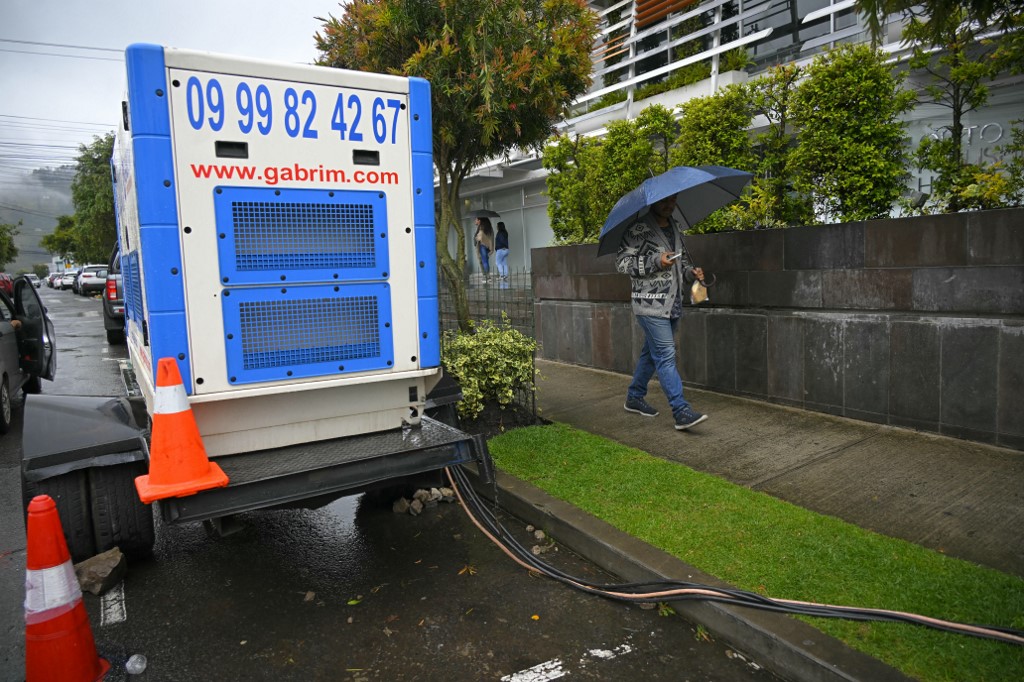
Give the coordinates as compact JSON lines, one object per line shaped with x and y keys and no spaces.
{"x":353,"y":602}
{"x":468,"y":569}
{"x":535,"y":617}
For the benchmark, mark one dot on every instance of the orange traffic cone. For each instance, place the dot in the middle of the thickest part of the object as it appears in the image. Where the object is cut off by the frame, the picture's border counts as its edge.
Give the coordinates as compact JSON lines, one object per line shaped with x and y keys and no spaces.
{"x":178,"y":465}
{"x":58,"y":639}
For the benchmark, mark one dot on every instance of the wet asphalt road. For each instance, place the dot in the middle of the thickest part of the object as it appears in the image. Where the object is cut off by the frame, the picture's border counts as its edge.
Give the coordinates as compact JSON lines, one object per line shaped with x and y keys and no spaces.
{"x":350,"y":591}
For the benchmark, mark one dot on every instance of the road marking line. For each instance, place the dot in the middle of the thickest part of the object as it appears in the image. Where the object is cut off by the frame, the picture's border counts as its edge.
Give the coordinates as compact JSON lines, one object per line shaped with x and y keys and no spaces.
{"x":606,"y":654}
{"x":549,"y":670}
{"x":112,"y":607}
{"x":552,"y":670}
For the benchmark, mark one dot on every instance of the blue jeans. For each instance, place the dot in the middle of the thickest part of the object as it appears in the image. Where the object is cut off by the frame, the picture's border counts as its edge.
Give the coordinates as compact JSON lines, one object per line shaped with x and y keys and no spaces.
{"x":658,"y":355}
{"x":485,"y":255}
{"x":501,"y":260}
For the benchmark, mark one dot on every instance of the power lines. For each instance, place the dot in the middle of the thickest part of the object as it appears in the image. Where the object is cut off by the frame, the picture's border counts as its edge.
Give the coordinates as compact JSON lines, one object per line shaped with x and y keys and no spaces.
{"x":27,"y":211}
{"x":76,"y":47}
{"x":28,"y":143}
{"x":65,"y":46}
{"x":31,"y":142}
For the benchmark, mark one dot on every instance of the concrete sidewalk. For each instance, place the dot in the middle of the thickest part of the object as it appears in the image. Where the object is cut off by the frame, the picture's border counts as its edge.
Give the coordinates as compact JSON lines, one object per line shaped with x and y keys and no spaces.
{"x":960,"y":498}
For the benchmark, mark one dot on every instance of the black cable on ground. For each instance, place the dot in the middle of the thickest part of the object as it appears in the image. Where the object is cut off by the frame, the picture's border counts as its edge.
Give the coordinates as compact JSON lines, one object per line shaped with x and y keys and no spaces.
{"x":673,"y":590}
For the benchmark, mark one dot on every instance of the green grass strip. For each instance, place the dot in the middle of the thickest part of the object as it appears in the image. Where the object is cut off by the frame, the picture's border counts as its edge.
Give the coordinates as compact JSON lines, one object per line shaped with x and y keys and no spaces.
{"x":763,"y":544}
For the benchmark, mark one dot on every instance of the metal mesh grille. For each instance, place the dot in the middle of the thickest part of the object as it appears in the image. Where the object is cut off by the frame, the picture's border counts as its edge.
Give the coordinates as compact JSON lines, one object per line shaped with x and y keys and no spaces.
{"x":131,"y":284}
{"x":292,"y":235}
{"x":309,"y":331}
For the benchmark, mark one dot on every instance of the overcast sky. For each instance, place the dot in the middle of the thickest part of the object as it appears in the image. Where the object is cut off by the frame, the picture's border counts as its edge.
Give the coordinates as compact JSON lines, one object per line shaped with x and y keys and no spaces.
{"x":51,"y":104}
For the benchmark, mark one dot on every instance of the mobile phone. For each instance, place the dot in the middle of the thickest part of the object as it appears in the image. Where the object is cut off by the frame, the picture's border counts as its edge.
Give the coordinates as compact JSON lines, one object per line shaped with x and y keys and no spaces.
{"x":675,"y":255}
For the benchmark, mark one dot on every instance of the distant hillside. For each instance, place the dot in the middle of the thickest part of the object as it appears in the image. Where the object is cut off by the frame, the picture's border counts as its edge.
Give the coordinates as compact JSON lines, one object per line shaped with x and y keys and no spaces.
{"x":36,"y":199}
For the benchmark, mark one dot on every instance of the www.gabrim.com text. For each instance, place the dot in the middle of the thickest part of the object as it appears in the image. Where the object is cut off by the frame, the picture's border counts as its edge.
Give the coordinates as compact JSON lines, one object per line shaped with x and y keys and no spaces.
{"x":273,"y":175}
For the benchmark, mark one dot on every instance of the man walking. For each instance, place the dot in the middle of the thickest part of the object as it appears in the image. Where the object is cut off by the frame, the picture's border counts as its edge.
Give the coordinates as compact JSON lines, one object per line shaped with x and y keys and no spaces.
{"x":652,"y":255}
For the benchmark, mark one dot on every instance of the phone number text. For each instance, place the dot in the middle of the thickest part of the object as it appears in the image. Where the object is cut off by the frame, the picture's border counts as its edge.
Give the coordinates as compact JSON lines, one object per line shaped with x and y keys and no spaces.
{"x":251,"y":106}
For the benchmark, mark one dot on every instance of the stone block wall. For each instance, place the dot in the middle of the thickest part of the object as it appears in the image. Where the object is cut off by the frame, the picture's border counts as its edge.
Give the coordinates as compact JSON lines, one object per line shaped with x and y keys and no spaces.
{"x":915,"y":322}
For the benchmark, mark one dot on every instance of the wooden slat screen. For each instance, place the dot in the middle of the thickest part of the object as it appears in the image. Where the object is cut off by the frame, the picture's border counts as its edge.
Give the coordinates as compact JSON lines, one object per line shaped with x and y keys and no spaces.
{"x":650,"y":11}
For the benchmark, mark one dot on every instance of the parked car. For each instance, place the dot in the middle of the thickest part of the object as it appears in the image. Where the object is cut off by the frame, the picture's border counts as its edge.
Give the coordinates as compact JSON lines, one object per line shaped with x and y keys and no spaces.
{"x":92,"y":279}
{"x":6,"y":284}
{"x":67,"y":280}
{"x":113,"y":299}
{"x":34,"y":278}
{"x":27,"y":350}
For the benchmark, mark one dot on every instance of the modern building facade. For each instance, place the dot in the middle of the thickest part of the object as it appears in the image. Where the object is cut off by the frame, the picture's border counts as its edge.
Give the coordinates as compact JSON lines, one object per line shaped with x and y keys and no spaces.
{"x":646,"y":42}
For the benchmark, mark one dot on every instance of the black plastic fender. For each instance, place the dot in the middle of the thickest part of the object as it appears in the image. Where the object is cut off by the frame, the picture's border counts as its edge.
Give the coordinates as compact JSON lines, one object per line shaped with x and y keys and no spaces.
{"x":69,"y":433}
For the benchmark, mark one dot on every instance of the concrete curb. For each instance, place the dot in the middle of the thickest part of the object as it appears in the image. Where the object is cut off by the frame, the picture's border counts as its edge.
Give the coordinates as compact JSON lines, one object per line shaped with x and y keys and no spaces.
{"x":784,"y":645}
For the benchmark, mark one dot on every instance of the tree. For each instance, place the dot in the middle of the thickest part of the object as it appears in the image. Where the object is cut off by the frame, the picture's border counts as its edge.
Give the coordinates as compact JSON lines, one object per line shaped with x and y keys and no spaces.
{"x":8,"y":250}
{"x":93,"y":196}
{"x":851,"y":155}
{"x":774,"y":201}
{"x":588,"y":176}
{"x":958,"y":72}
{"x":502,"y":72}
{"x":713,"y":131}
{"x":985,"y":13}
{"x":63,"y":241}
{"x":575,"y":172}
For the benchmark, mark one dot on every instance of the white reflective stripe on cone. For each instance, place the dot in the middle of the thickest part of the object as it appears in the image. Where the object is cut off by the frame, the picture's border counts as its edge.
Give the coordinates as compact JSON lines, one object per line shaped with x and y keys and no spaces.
{"x":170,"y":400}
{"x":49,"y":588}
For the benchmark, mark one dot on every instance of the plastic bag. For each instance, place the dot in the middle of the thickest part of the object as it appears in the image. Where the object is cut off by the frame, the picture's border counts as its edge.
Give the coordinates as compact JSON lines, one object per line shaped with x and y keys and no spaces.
{"x":698,"y":293}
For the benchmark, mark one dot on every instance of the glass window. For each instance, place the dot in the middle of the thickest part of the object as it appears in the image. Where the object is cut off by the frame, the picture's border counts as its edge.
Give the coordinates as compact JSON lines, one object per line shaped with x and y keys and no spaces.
{"x":535,"y":194}
{"x":505,"y":199}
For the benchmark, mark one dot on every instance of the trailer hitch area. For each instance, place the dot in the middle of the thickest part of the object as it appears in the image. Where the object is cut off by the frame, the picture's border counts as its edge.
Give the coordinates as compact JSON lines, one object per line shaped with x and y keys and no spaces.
{"x":485,"y":465}
{"x":224,"y":526}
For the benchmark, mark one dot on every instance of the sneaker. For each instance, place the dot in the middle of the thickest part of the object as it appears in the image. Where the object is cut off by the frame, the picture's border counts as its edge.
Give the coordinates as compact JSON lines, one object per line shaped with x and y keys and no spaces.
{"x":687,"y":417}
{"x":641,"y":407}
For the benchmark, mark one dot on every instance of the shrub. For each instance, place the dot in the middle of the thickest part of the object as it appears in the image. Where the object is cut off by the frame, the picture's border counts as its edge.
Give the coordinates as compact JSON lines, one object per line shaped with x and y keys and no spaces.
{"x":490,"y":361}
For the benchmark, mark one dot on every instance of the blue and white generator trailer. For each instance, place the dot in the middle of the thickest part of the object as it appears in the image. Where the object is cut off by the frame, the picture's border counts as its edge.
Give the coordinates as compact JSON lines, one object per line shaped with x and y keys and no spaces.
{"x":276,"y":234}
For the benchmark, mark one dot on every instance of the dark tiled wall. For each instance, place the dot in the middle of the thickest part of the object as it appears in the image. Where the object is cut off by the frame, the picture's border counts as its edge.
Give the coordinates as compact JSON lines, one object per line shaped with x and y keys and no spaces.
{"x":915,"y":322}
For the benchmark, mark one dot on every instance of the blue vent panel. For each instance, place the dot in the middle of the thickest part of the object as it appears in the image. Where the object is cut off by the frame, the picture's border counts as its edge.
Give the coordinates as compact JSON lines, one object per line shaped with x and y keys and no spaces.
{"x":132,"y":284}
{"x":308,"y":331}
{"x":268,"y":236}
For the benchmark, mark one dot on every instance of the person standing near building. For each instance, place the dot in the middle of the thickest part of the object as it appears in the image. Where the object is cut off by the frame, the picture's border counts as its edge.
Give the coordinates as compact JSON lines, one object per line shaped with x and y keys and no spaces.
{"x":501,"y":251}
{"x":484,"y":240}
{"x":652,"y":254}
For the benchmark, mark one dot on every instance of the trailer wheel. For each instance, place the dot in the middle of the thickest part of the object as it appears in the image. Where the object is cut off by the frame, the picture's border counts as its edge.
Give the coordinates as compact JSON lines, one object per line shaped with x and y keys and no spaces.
{"x":70,"y":492}
{"x":119,"y":518}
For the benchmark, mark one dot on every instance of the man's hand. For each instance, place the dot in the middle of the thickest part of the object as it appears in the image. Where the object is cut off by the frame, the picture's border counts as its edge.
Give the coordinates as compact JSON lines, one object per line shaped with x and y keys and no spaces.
{"x":667,"y":258}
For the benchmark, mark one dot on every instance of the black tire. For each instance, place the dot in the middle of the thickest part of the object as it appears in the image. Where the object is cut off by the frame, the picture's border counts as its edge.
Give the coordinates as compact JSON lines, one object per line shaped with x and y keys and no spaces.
{"x":119,"y":518}
{"x":70,"y":492}
{"x":6,"y":408}
{"x":115,"y":337}
{"x":33,"y":385}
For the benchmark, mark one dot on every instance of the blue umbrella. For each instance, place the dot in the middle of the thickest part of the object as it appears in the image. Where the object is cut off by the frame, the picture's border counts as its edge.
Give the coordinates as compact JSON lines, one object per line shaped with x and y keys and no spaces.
{"x":700,"y":191}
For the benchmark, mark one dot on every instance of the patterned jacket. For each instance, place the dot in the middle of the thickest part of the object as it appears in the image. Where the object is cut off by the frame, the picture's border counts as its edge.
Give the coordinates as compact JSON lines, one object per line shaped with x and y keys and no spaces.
{"x":654,"y":290}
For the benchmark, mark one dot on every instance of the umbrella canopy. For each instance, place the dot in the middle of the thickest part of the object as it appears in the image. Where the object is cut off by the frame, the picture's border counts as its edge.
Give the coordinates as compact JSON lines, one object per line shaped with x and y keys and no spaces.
{"x":483,"y":213}
{"x":700,"y":191}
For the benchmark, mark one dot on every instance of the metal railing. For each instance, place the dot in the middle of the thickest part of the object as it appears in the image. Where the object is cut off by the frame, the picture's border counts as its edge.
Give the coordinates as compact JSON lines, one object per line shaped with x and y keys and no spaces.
{"x":489,"y":299}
